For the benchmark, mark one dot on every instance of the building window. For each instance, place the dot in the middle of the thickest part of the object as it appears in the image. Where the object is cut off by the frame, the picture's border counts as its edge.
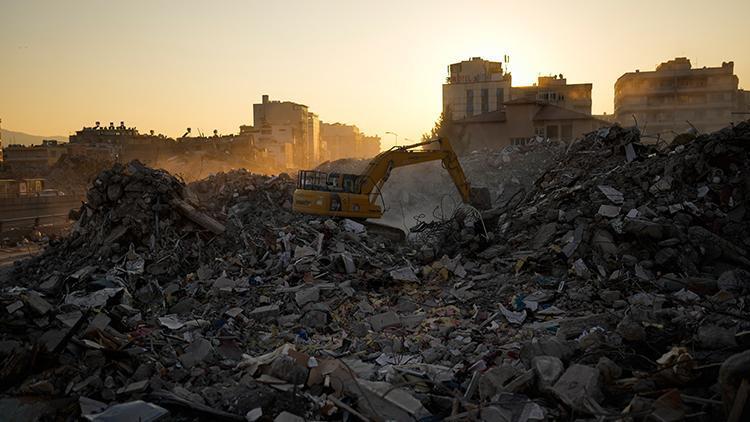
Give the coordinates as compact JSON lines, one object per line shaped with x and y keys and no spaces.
{"x":485,"y":100}
{"x":567,"y":133}
{"x":518,"y":141}
{"x":500,"y":95}
{"x":539,"y":131}
{"x":552,"y":132}
{"x":469,"y":102}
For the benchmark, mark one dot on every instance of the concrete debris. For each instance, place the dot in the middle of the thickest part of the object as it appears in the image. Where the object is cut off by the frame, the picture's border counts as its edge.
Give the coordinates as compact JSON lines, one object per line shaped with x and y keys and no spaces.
{"x":579,"y":387}
{"x":609,"y":280}
{"x":404,"y":274}
{"x":138,"y":410}
{"x":548,"y":370}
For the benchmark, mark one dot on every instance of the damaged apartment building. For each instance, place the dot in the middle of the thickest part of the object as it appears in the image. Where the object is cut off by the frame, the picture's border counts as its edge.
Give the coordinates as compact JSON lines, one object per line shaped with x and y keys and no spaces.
{"x":676,"y":96}
{"x":120,"y":143}
{"x":294,"y":137}
{"x":347,"y":141}
{"x":287,"y":131}
{"x":486,"y":111}
{"x":31,"y":157}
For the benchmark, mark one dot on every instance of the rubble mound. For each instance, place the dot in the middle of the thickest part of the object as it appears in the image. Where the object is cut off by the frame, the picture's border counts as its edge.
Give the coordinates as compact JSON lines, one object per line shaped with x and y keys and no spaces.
{"x":613,"y":285}
{"x":129,"y":208}
{"x":267,"y":196}
{"x":615,"y":207}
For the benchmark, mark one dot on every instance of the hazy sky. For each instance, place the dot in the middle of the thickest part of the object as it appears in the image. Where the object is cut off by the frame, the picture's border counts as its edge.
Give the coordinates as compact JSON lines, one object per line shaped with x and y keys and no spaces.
{"x":167,"y":65}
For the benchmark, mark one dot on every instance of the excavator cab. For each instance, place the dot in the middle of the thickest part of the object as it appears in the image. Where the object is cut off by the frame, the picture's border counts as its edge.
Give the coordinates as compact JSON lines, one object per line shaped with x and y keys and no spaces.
{"x":333,"y":194}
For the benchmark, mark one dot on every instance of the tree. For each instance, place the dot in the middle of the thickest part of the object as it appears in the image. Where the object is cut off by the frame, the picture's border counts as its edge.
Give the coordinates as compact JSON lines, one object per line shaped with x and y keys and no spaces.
{"x":442,"y":128}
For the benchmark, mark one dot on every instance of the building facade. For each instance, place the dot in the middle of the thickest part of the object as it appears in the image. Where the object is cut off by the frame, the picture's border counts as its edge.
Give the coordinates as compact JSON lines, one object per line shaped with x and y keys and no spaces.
{"x":347,"y":141}
{"x":121,"y":144}
{"x":305,"y":125}
{"x":275,"y":141}
{"x":368,"y":147}
{"x":675,"y":96}
{"x":557,"y":91}
{"x":521,"y":121}
{"x":474,"y":87}
{"x":33,"y":157}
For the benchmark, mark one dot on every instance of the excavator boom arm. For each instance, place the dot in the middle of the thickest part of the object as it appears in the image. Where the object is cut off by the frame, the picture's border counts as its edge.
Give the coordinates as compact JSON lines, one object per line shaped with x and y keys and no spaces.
{"x":379,"y":169}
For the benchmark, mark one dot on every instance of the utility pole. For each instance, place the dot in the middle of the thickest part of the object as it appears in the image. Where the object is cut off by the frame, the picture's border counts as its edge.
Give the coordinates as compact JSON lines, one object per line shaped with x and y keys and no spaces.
{"x":394,"y":134}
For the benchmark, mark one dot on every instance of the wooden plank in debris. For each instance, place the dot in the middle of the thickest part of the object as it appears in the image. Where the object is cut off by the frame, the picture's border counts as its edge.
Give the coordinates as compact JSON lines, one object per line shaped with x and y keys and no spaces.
{"x":198,"y":217}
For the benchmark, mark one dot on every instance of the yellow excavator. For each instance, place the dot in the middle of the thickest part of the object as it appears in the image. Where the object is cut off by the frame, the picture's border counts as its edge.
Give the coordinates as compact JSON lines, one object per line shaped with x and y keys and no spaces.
{"x":356,"y":196}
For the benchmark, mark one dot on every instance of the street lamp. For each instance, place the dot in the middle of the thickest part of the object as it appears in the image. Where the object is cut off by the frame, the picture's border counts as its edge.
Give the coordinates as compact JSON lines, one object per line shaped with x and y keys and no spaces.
{"x":394,"y":134}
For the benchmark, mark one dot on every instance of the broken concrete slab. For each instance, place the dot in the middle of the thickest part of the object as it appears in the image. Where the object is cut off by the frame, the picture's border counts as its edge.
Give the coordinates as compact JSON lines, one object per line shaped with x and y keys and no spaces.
{"x":385,"y":320}
{"x":263,"y":312}
{"x":548,"y":370}
{"x":405,"y":274}
{"x":578,"y":387}
{"x":138,"y":410}
{"x":307,"y":295}
{"x":196,"y":352}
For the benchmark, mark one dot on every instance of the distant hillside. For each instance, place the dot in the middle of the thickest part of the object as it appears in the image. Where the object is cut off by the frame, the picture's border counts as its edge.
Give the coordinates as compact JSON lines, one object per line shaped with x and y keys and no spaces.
{"x":11,"y":137}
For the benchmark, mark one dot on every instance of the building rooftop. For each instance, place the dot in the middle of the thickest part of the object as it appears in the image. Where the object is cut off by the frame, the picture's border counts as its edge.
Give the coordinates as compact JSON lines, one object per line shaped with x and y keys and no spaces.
{"x":475,"y":69}
{"x":679,"y":65}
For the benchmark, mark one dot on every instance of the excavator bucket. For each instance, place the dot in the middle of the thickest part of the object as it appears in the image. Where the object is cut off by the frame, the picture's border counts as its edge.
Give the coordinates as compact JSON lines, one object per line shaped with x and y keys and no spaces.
{"x":480,"y":198}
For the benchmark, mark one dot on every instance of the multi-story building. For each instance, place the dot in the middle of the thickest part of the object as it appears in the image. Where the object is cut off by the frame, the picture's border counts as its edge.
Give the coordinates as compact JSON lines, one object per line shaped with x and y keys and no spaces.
{"x":305,"y":125}
{"x":313,"y":147}
{"x":33,"y":157}
{"x":521,"y":121}
{"x":675,"y":96}
{"x":275,"y":141}
{"x":743,"y":104}
{"x":121,"y":143}
{"x":347,"y":141}
{"x":340,"y":140}
{"x":235,"y":146}
{"x":369,"y":147}
{"x":475,"y":87}
{"x":557,"y":91}
{"x":478,"y":86}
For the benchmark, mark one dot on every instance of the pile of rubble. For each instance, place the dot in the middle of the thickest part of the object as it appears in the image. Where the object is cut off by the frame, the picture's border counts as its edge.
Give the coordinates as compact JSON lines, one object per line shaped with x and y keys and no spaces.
{"x":636,"y":259}
{"x":612,"y":288}
{"x":613,"y":208}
